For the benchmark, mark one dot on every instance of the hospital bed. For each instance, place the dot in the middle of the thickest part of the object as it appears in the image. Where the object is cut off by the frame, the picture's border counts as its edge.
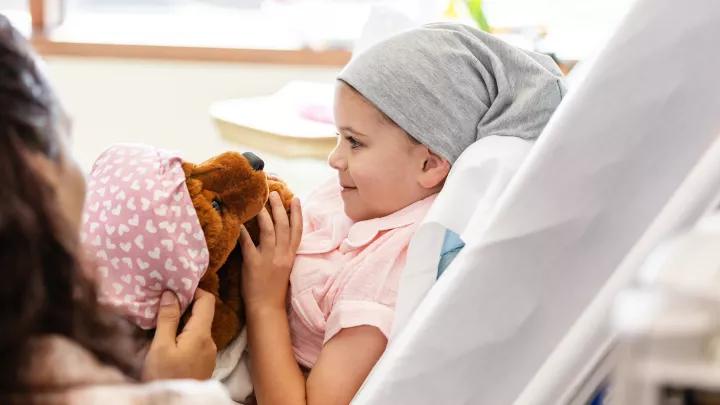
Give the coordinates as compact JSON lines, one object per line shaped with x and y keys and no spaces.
{"x":553,"y":231}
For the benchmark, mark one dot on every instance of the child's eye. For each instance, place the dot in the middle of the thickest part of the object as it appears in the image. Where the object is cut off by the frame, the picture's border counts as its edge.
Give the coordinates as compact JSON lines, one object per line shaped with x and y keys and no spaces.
{"x":353,"y":142}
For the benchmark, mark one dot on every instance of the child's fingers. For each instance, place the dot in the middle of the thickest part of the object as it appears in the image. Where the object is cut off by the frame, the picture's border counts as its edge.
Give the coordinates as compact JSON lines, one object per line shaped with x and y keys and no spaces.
{"x":296,"y":224}
{"x":267,"y":229}
{"x":246,"y":243}
{"x":282,"y":227}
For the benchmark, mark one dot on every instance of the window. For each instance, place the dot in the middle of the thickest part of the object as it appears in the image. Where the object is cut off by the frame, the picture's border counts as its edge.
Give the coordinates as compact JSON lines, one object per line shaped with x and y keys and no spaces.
{"x":300,"y":32}
{"x":18,"y":13}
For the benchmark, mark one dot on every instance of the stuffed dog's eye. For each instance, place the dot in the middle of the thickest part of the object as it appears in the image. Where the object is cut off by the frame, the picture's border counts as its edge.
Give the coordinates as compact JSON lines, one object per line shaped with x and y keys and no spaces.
{"x":216,"y":206}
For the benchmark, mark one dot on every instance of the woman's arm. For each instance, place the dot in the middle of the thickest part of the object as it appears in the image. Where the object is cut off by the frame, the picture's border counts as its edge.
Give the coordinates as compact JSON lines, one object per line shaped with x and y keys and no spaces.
{"x":345,"y":360}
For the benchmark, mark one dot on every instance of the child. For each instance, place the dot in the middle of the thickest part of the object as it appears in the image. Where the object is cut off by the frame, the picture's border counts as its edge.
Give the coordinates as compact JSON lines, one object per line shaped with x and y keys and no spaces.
{"x":405,"y":110}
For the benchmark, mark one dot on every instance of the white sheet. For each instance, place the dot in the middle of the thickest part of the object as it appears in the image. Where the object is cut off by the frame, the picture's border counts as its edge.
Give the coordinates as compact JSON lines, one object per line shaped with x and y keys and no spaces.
{"x":232,"y":368}
{"x":608,"y":162}
{"x":474,"y":184}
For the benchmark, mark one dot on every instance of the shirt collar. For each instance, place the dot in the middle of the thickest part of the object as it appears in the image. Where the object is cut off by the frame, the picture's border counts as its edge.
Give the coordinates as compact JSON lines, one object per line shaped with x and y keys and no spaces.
{"x":340,"y":230}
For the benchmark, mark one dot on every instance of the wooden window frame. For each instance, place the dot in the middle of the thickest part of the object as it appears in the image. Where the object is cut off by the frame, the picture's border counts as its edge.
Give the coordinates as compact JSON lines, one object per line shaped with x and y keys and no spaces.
{"x":47,"y":15}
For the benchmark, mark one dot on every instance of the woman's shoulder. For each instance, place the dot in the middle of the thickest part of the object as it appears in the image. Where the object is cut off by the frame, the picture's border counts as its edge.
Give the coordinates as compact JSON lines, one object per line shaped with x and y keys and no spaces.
{"x":63,"y":372}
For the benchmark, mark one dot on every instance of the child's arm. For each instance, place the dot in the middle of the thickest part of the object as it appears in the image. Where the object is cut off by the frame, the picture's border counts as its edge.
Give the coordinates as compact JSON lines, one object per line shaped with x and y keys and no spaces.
{"x":345,"y":360}
{"x":344,"y":363}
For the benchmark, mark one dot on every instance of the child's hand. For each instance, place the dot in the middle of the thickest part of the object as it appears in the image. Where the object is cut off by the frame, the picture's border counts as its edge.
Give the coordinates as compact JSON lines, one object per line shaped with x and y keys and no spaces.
{"x":266,"y":268}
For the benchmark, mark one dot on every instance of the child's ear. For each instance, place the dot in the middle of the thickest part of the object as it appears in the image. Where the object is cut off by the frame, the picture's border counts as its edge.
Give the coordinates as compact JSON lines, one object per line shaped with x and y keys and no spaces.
{"x":435,"y":170}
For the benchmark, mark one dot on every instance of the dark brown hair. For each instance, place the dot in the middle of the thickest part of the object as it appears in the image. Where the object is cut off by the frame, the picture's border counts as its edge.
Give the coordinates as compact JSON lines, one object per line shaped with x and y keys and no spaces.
{"x":43,"y":289}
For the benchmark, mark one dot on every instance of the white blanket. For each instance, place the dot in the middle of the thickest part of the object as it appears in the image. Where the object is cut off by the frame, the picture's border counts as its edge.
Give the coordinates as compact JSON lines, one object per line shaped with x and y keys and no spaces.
{"x":233,"y":369}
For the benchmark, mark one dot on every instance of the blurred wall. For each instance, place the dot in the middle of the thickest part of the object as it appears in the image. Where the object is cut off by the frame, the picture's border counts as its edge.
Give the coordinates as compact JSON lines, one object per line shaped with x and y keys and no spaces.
{"x":166,"y":104}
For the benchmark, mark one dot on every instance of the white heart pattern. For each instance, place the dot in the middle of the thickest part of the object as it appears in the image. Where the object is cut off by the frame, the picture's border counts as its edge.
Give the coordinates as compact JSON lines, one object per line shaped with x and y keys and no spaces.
{"x":140,"y":226}
{"x":161,"y":210}
{"x":158,"y":194}
{"x":118,"y":287}
{"x":155,"y":253}
{"x":169,"y":266}
{"x":168,"y":244}
{"x":139,"y":241}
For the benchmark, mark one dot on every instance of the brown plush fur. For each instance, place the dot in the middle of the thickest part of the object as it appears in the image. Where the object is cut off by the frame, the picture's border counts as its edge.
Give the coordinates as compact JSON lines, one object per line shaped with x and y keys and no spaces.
{"x":241,"y":193}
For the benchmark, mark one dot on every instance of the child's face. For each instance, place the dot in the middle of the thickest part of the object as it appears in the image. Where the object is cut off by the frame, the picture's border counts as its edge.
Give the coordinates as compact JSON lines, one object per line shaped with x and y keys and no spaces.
{"x":380,"y":168}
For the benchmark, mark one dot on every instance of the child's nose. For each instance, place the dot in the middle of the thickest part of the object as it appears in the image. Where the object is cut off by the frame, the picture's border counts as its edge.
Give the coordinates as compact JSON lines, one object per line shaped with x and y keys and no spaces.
{"x":336,"y":161}
{"x":255,"y":162}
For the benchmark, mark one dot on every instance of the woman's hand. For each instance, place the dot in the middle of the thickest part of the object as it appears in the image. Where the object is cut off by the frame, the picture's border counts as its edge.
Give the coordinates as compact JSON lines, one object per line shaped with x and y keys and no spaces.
{"x":266,"y":268}
{"x":190,"y":354}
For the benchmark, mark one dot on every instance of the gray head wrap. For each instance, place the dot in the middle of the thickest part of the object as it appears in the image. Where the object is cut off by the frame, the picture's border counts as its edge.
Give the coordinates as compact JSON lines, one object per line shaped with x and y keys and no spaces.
{"x":449,"y":85}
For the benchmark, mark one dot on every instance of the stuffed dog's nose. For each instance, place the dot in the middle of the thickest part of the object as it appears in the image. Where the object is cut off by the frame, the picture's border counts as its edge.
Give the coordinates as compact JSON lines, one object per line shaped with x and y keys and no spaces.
{"x":255,"y":161}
